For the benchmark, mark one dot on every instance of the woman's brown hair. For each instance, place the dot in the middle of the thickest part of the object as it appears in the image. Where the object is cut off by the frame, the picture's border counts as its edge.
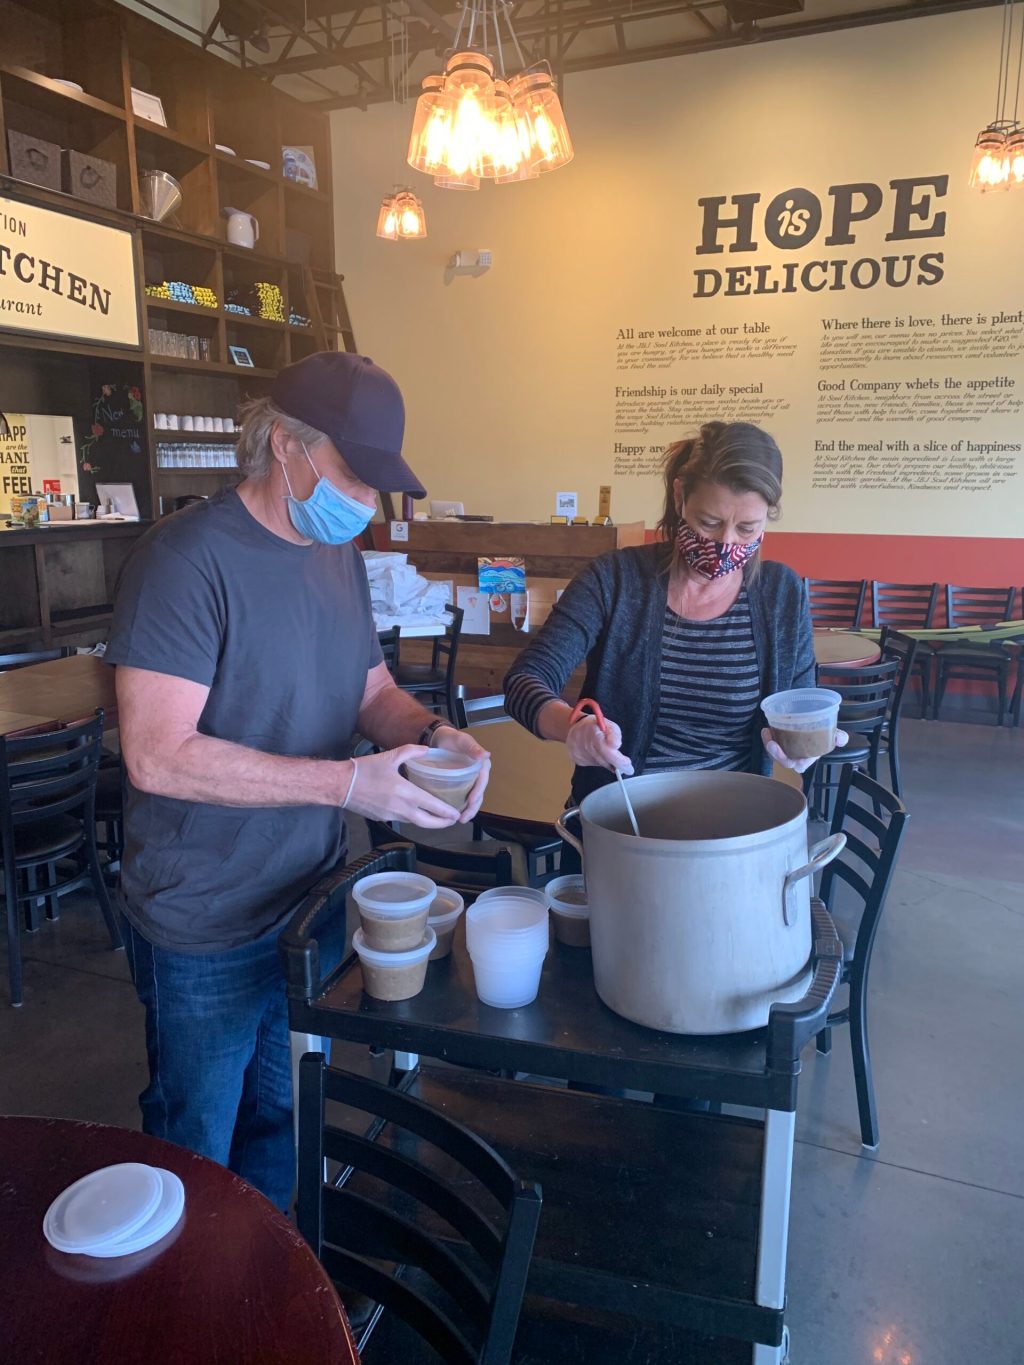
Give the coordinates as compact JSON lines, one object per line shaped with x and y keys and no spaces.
{"x":737,"y":455}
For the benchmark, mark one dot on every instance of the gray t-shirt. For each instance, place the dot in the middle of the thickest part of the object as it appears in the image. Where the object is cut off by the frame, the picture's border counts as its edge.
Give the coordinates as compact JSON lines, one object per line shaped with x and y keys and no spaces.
{"x":283,"y":637}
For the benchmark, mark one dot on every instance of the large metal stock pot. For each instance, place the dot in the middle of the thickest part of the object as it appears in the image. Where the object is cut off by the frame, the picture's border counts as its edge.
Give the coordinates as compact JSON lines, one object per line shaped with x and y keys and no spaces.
{"x":704,"y":921}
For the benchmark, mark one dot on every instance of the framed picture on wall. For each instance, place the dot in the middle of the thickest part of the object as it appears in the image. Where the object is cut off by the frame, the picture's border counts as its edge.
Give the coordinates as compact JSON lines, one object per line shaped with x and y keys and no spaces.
{"x":241,"y":356}
{"x":148,"y":106}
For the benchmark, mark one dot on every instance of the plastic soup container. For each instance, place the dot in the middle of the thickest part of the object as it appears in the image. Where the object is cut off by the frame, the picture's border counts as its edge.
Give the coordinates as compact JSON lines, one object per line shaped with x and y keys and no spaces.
{"x":393,"y":909}
{"x":394,"y":976}
{"x":444,"y":915}
{"x":570,"y":913}
{"x":507,"y":942}
{"x":448,"y":775}
{"x":803,"y":721}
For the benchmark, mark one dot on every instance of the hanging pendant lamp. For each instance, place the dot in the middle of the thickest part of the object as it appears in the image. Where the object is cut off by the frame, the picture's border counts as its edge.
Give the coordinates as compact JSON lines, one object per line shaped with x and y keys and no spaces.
{"x":401,"y":216}
{"x":474,"y":121}
{"x":998,"y":161}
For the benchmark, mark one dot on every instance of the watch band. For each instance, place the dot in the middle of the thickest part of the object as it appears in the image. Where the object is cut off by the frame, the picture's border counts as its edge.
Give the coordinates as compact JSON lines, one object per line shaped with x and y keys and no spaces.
{"x":427,"y":733}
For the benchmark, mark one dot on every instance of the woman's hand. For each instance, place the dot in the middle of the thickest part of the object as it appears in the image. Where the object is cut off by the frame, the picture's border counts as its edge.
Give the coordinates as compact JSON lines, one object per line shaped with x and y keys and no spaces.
{"x":448,"y":737}
{"x":589,"y":748}
{"x":380,"y":792}
{"x":799,"y":765}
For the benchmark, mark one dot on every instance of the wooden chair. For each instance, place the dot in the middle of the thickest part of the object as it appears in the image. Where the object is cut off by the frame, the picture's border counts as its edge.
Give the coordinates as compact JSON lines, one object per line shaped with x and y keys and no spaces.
{"x":434,"y":684}
{"x":441,"y":1242}
{"x":47,"y":820}
{"x":873,"y":821}
{"x":965,"y":662}
{"x":836,"y":603}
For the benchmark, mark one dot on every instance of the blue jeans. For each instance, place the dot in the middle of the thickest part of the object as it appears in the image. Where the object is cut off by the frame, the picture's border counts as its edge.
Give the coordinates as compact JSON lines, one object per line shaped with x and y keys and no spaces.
{"x":220,"y":1080}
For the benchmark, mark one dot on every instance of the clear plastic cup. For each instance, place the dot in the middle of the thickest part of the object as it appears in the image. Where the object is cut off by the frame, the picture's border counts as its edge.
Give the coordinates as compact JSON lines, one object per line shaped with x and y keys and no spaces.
{"x":512,"y":926}
{"x":394,"y":976}
{"x":530,"y":894}
{"x":570,"y":913}
{"x":803,"y":720}
{"x":444,"y":915}
{"x":446,"y":774}
{"x":393,"y":909}
{"x":507,"y":978}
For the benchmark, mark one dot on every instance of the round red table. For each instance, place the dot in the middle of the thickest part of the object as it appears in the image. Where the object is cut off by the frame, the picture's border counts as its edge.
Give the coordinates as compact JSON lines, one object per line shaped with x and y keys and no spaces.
{"x":233,"y":1282}
{"x":843,"y":649}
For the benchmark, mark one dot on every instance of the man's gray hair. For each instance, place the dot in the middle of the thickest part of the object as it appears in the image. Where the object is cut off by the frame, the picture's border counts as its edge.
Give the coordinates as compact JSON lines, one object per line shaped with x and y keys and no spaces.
{"x":254,"y":455}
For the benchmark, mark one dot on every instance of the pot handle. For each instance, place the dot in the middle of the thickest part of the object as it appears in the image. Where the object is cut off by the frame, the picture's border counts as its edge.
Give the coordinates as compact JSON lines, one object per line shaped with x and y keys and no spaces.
{"x":822,"y":854}
{"x":569,"y":838}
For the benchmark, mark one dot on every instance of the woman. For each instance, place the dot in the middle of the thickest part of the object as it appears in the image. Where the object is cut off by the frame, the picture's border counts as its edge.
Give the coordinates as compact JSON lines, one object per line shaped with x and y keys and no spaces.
{"x":684,"y":638}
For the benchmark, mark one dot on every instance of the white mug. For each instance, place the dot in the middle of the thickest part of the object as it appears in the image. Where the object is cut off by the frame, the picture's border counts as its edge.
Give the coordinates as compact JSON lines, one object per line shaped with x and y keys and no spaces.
{"x":172,"y":421}
{"x":188,"y":424}
{"x":229,"y":424}
{"x":218,"y":424}
{"x":160,"y":421}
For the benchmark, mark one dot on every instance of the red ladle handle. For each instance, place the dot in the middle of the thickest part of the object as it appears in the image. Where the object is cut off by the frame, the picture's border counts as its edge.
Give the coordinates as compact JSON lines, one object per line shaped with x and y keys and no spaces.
{"x":588,"y":704}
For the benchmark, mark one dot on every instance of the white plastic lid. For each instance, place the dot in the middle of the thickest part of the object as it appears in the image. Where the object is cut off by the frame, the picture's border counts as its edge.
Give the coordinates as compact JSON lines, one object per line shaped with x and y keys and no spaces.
{"x":507,"y":917}
{"x":448,"y":906}
{"x":394,"y":893}
{"x":426,"y":946}
{"x":164,"y":1218}
{"x":444,"y":764}
{"x":522,"y":893}
{"x":112,"y":1211}
{"x":802,"y":708}
{"x":558,"y":886}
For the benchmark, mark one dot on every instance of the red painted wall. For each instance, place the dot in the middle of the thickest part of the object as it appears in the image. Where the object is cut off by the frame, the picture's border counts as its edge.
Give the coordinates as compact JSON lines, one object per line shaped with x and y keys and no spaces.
{"x":973,"y":561}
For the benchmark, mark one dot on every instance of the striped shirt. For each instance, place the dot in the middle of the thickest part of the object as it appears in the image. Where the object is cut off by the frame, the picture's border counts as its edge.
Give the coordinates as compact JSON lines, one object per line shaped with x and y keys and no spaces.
{"x":709,"y":693}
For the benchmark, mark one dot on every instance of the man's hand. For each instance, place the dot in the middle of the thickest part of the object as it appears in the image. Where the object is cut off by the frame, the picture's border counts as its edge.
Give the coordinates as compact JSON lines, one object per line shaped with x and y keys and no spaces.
{"x":448,"y":737}
{"x":382,"y":793}
{"x":798,"y":765}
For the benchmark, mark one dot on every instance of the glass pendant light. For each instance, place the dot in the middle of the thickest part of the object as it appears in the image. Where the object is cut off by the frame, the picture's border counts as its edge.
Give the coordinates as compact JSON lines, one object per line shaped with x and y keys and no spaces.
{"x":473,"y":121}
{"x":998,"y":161}
{"x":401,"y":216}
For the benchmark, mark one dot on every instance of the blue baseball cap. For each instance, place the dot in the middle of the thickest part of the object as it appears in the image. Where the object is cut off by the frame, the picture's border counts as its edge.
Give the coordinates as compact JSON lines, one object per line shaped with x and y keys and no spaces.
{"x":359,"y":406}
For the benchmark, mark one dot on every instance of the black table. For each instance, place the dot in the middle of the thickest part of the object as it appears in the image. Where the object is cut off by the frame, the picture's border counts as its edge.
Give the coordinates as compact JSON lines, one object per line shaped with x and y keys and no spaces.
{"x":644,"y":1240}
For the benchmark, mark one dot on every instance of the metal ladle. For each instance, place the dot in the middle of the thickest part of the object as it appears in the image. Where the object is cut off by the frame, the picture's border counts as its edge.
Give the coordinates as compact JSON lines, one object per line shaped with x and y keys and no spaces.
{"x":585,"y":704}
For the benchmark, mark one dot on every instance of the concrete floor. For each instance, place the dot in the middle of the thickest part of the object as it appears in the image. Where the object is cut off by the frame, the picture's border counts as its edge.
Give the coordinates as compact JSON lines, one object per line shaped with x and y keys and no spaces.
{"x":911,"y":1255}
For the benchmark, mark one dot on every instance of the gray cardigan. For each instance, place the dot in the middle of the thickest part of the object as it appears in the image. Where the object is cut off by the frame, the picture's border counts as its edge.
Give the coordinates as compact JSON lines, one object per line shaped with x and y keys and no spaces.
{"x":612,"y":614}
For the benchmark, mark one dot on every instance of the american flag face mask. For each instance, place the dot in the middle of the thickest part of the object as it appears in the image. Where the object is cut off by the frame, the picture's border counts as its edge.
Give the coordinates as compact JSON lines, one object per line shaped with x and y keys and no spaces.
{"x":713,"y":558}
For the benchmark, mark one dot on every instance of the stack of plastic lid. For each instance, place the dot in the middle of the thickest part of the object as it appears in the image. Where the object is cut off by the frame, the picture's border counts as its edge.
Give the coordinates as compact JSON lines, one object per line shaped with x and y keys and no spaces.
{"x":115,"y":1211}
{"x":507,"y":941}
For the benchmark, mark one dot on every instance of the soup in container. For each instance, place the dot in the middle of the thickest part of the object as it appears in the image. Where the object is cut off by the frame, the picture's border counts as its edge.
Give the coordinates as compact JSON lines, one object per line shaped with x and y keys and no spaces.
{"x":394,"y":975}
{"x":803,"y":720}
{"x":393,"y":909}
{"x":570,"y":913}
{"x":446,"y":774}
{"x":444,"y":915}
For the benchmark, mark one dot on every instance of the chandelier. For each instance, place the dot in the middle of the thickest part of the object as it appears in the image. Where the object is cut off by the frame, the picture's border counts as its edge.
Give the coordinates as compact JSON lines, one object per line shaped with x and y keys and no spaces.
{"x":998,"y":162}
{"x":475,"y":121}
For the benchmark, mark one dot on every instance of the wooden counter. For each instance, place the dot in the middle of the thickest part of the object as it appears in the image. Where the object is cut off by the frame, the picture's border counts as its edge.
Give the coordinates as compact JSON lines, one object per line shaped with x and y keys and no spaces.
{"x":554,"y":554}
{"x":57,"y":582}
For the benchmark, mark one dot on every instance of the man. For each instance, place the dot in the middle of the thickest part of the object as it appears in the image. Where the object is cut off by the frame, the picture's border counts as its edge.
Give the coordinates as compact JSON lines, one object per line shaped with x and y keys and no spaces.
{"x":246,"y":660}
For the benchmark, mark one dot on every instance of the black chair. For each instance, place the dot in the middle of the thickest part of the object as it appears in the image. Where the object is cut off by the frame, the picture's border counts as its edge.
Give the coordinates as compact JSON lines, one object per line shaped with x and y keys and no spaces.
{"x":390,"y":643}
{"x":110,"y":814}
{"x":434,"y":684}
{"x":909,"y":606}
{"x":903,"y":649}
{"x":36,"y":656}
{"x":873,"y":821}
{"x":866,"y":694}
{"x":424,"y":1218}
{"x":965,"y":662}
{"x":1016,"y":648}
{"x":467,"y":869}
{"x":836,"y":603}
{"x":47,"y":820}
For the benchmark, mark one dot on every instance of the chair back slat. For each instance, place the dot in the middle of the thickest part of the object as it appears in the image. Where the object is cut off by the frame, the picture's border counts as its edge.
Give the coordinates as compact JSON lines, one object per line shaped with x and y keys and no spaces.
{"x":904,"y":604}
{"x":390,"y":642}
{"x":978,"y":606}
{"x":368,"y":1229}
{"x":866,"y":694}
{"x":446,"y":646}
{"x":434,"y":1326}
{"x":836,"y":602}
{"x":46,"y":775}
{"x":384,"y":1163}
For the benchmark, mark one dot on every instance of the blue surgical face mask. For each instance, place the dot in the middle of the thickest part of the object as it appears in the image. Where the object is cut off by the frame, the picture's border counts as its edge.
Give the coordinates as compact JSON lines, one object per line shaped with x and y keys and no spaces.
{"x":328,"y":514}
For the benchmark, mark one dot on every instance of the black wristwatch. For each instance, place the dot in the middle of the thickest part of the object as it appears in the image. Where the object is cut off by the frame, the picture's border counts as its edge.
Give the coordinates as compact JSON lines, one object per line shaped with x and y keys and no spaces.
{"x":427,"y":733}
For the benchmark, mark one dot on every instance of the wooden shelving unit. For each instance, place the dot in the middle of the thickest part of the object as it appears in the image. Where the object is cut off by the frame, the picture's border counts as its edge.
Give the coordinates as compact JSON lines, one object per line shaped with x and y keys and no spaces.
{"x":208,"y":105}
